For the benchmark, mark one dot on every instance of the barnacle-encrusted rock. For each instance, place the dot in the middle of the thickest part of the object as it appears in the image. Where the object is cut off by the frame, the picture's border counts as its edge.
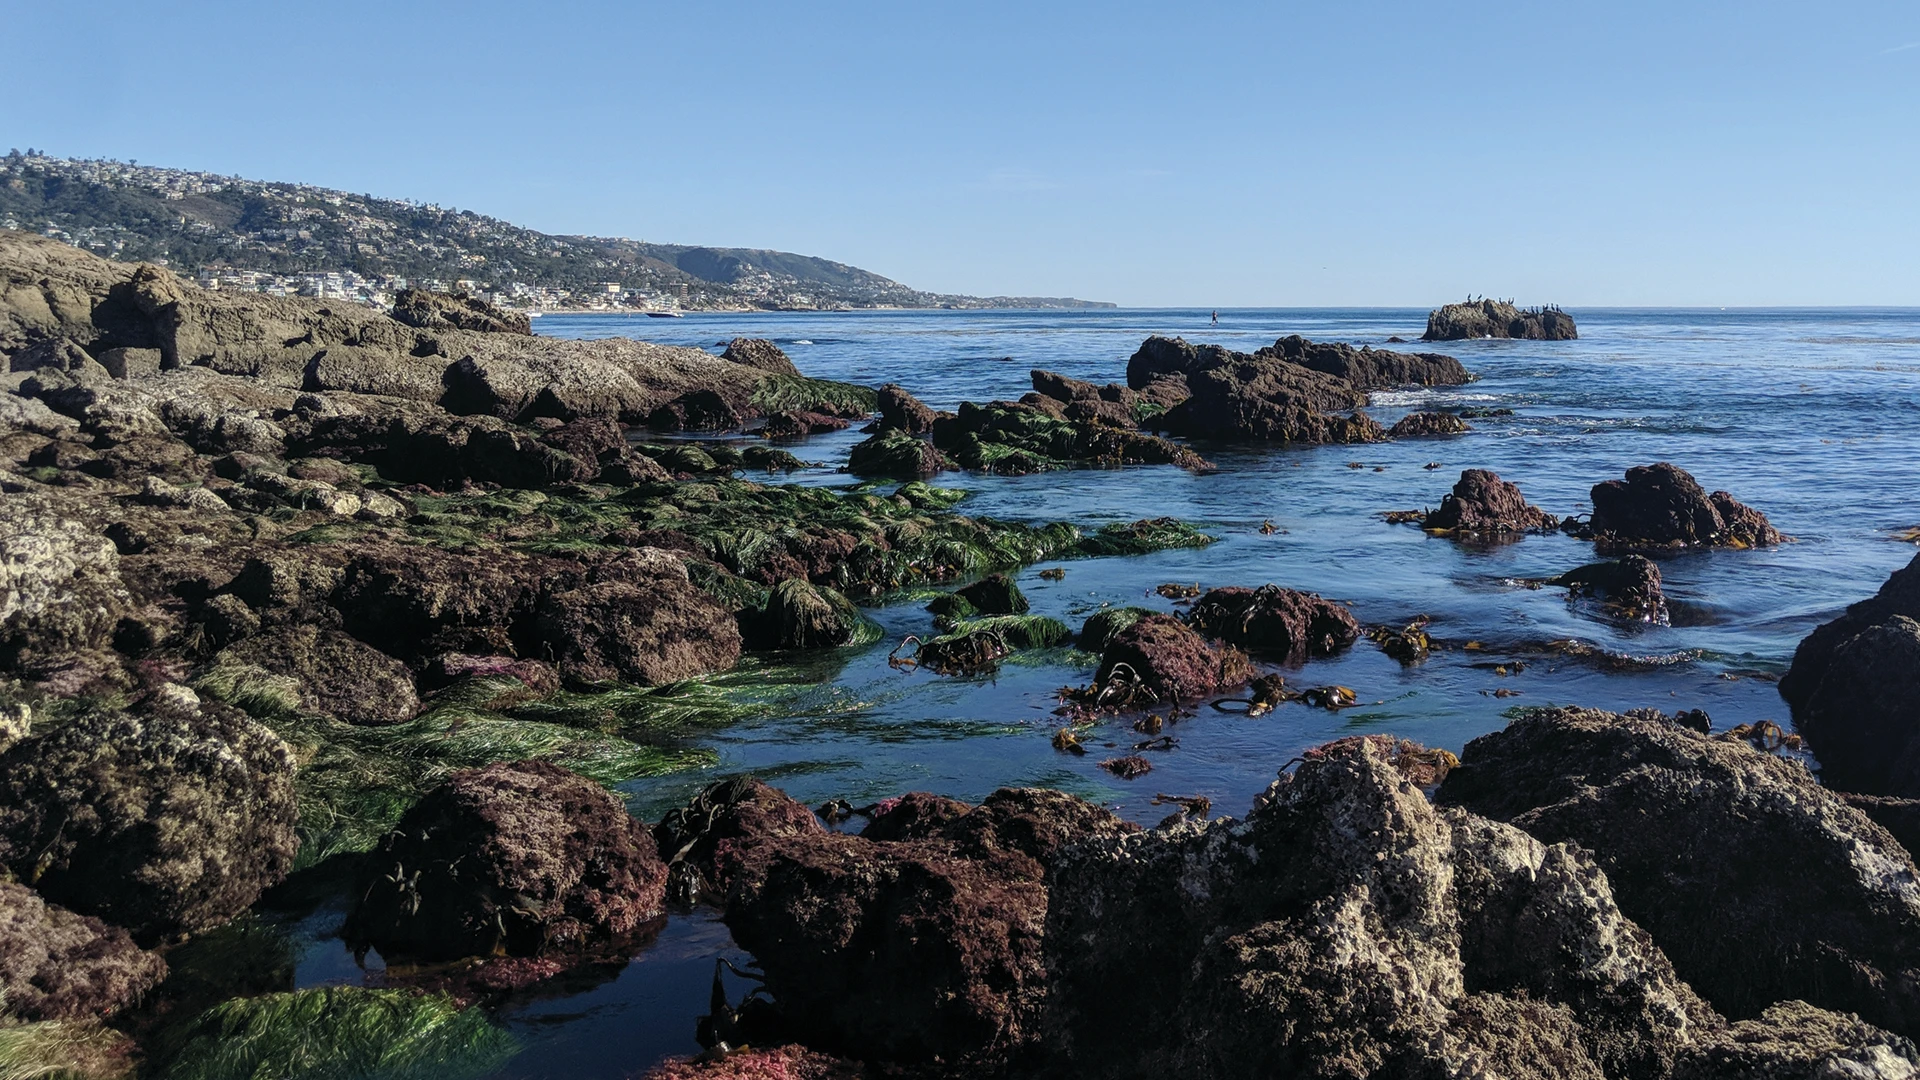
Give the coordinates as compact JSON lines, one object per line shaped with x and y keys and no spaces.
{"x":519,"y":859}
{"x":1795,"y":1041}
{"x":1761,"y":884}
{"x":55,"y":965}
{"x":1348,"y":928}
{"x":338,"y":675}
{"x":1284,"y":623}
{"x":165,"y":822}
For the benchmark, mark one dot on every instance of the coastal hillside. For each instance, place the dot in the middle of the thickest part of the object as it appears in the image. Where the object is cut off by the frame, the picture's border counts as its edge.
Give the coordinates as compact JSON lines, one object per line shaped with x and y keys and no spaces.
{"x":290,"y":238}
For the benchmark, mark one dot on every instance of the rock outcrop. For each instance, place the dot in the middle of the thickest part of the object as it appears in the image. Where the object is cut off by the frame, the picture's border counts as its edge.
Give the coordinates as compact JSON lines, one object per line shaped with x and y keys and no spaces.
{"x":166,"y":822}
{"x":1347,"y":928}
{"x":1498,"y":319}
{"x":1759,"y":883}
{"x":1158,"y":659}
{"x":1628,"y":586}
{"x":759,"y":353}
{"x":1482,"y":504}
{"x":1423,"y":425}
{"x":1369,"y":368}
{"x":901,"y":411}
{"x":1662,"y":506}
{"x":456,"y":311}
{"x":1014,"y":439}
{"x":515,"y":859}
{"x":1284,"y":624}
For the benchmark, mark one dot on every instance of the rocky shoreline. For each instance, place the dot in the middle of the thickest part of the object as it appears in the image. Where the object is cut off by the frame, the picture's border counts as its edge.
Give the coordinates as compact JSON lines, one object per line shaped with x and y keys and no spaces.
{"x":297,"y":597}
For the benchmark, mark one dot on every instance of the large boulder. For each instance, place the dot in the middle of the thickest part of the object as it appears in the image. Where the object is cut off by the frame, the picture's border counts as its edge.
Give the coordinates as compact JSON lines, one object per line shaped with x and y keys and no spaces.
{"x":759,"y":353}
{"x":1761,"y":884}
{"x":1369,"y":368}
{"x":456,"y":311}
{"x":1283,"y":623}
{"x":60,"y":587}
{"x":1260,"y":397}
{"x":1663,"y":506}
{"x":901,"y":411}
{"x":1483,"y":504}
{"x":55,"y":965}
{"x":1498,"y":319}
{"x":166,"y":822}
{"x":1159,"y":659}
{"x":894,"y":453}
{"x":1348,"y":928}
{"x":923,"y":948}
{"x":646,"y":632}
{"x":1013,"y":438}
{"x":801,"y":615}
{"x":516,"y":859}
{"x":338,"y":675}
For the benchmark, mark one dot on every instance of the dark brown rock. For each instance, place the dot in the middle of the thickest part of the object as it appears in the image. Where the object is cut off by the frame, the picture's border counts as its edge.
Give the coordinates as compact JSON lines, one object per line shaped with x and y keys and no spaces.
{"x":520,"y":858}
{"x":795,"y":424}
{"x":759,"y":353}
{"x":165,"y":822}
{"x":917,"y":815}
{"x":901,"y":411}
{"x":1369,"y":368}
{"x":1759,"y":883}
{"x":801,"y":615}
{"x":1167,"y":661}
{"x":894,"y":453}
{"x":1795,"y":1041}
{"x":1484,"y":504}
{"x":1630,"y":587}
{"x":338,"y":675}
{"x":639,"y":632}
{"x":1284,"y":623}
{"x":1862,"y":719}
{"x":1662,"y":506}
{"x":1900,"y":595}
{"x":1261,"y":397}
{"x":1422,"y":425}
{"x":727,"y":829}
{"x":55,"y":965}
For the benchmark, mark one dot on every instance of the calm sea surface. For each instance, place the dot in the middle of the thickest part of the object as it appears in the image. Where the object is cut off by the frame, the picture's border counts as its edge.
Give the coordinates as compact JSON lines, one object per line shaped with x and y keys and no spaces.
{"x":1813,"y":416}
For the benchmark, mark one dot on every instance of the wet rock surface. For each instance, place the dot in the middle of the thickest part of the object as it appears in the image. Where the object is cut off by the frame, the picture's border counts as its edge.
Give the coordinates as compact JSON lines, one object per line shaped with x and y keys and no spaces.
{"x":1629,"y":587}
{"x":56,"y":965}
{"x":1282,"y":623}
{"x":1760,"y":884}
{"x":518,"y":859}
{"x":1014,"y":439}
{"x":165,"y":822}
{"x":1422,"y":425}
{"x":1663,"y":506}
{"x":1498,"y":319}
{"x":1482,"y":503}
{"x":1158,"y":659}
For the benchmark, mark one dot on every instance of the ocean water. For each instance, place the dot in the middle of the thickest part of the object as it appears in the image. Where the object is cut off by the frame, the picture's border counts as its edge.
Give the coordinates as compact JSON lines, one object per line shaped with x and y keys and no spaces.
{"x":1813,"y":416}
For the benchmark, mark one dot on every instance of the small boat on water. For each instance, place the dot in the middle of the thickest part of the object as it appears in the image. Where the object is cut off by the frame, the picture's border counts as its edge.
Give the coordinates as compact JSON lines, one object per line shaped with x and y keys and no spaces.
{"x":664,"y":315}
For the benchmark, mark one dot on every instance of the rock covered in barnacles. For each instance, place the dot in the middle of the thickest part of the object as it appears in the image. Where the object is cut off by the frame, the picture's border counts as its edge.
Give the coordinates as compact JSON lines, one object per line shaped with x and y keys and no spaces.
{"x":1485,"y":504}
{"x":1662,"y":506}
{"x":1348,"y":928}
{"x":1159,"y":659}
{"x":1285,"y":623}
{"x":517,"y":859}
{"x":1795,"y":1041}
{"x":1761,"y":884}
{"x":166,"y":821}
{"x":56,"y":965}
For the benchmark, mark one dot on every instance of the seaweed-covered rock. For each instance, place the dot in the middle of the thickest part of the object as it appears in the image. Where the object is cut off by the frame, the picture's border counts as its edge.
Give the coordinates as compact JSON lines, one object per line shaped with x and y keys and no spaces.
{"x":892,"y":452}
{"x":1761,"y":885}
{"x":791,"y":1062}
{"x":1348,"y":928}
{"x":697,"y":410}
{"x":1482,"y":503}
{"x":55,"y":965}
{"x":727,"y":828}
{"x":901,"y":411}
{"x":801,"y":615}
{"x":759,"y":353}
{"x":520,"y":859}
{"x":913,"y":949}
{"x":1161,"y":659}
{"x":1498,"y":319}
{"x":338,"y":675}
{"x":995,"y":594}
{"x":1286,"y":623}
{"x":1795,"y":1041}
{"x":1899,"y":595}
{"x":1101,"y":626}
{"x":794,"y":424}
{"x":165,"y":822}
{"x":1662,"y":505}
{"x":647,"y":632}
{"x":1629,"y":586}
{"x":1013,"y":439}
{"x":1426,"y":424}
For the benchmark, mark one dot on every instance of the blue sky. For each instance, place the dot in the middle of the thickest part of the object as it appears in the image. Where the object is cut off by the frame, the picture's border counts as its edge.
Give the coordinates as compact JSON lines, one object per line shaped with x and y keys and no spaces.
{"x":1152,"y":154}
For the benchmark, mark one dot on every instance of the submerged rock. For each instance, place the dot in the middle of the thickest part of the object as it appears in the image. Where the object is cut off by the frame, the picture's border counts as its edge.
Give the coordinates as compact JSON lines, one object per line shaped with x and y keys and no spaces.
{"x":1482,"y":503}
{"x":1284,"y":623}
{"x":1761,"y":885}
{"x":1348,"y":928}
{"x":1662,"y":506}
{"x":55,"y":965}
{"x":165,"y":822}
{"x":1159,"y":659}
{"x":995,"y":594}
{"x":518,"y":859}
{"x":1425,"y":424}
{"x":1498,"y":319}
{"x":1629,"y":586}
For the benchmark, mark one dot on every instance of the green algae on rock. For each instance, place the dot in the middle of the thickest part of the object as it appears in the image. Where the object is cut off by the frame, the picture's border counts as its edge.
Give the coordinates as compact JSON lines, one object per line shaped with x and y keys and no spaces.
{"x":342,"y":1031}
